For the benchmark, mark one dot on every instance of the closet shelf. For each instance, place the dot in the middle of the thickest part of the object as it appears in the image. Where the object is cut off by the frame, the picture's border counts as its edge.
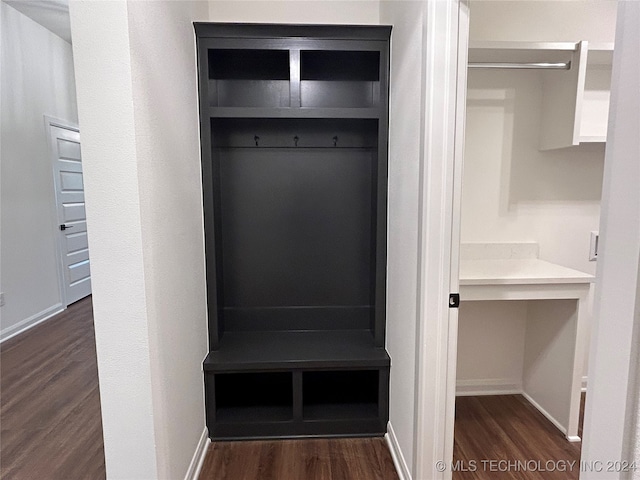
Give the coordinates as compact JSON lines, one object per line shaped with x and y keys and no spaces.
{"x":576,"y":100}
{"x":271,"y":350}
{"x":521,"y":52}
{"x":293,"y":112}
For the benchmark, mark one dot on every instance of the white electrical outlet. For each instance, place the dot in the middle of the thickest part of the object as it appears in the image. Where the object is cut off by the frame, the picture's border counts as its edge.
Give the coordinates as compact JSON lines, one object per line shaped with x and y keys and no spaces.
{"x":593,"y":247}
{"x":1,"y":299}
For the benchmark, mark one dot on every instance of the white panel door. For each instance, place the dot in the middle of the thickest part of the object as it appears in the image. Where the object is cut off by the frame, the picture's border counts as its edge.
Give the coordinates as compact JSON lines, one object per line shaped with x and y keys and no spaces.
{"x":72,"y":225}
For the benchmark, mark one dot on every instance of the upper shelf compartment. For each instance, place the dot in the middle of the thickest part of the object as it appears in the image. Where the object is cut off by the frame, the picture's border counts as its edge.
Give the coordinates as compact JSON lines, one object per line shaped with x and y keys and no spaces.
{"x":339,"y":79}
{"x":265,"y":78}
{"x":575,"y":98}
{"x":248,"y":78}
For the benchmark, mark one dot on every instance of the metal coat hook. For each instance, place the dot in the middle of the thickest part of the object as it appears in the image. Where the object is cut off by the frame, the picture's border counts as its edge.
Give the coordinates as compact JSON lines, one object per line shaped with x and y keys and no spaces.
{"x":295,"y":140}
{"x":256,"y":138}
{"x":335,"y":141}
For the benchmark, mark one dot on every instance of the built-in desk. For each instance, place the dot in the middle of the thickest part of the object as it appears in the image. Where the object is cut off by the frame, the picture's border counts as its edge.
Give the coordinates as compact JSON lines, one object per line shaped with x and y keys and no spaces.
{"x":556,"y":331}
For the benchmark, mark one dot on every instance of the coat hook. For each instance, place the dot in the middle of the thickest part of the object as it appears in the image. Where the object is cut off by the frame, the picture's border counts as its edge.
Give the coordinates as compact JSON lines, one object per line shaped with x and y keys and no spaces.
{"x":335,"y":141}
{"x":295,"y":140}
{"x":256,"y":138}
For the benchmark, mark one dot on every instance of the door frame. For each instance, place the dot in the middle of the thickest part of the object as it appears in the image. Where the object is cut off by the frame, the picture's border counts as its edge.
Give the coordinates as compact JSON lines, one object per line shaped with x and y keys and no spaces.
{"x":439,"y":243}
{"x":50,"y":122}
{"x":446,"y":33}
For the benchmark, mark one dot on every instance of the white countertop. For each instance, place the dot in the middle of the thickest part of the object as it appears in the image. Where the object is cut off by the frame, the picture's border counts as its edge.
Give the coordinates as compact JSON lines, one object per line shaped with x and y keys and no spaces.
{"x":528,"y":271}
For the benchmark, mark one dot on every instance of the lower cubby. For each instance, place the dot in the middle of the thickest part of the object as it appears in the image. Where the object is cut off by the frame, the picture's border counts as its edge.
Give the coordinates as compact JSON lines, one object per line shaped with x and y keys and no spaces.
{"x":297,"y":403}
{"x":270,"y":384}
{"x":254,"y":397}
{"x":340,"y":395}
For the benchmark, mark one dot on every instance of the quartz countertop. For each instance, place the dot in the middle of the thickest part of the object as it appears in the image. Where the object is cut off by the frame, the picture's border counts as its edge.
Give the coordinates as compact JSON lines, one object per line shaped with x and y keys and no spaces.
{"x":525,"y":271}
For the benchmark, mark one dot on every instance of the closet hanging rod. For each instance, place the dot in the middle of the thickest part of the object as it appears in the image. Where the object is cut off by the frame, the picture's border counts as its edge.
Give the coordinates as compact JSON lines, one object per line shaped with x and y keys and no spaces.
{"x":525,"y":66}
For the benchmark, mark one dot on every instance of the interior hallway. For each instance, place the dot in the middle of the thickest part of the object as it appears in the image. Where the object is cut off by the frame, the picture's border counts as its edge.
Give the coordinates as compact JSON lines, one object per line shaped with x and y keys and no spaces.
{"x":50,"y":421}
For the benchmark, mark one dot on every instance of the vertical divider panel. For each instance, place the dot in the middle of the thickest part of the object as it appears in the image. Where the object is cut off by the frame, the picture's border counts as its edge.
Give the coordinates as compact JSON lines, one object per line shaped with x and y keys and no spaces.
{"x":294,"y":82}
{"x":208,"y":196}
{"x":383,"y":396}
{"x":381,"y":204}
{"x":562,"y":102}
{"x":297,"y":395}
{"x":210,"y":399}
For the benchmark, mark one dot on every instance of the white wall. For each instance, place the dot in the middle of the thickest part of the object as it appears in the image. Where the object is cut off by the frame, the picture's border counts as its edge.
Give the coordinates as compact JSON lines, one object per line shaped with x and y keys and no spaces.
{"x":609,"y":430}
{"x":165,"y":99}
{"x":136,"y":78}
{"x":404,"y":173}
{"x":543,"y":20}
{"x":512,"y":191}
{"x":496,"y":359}
{"x":37,"y":80}
{"x":631,"y":448}
{"x":105,"y":106}
{"x":295,"y":11}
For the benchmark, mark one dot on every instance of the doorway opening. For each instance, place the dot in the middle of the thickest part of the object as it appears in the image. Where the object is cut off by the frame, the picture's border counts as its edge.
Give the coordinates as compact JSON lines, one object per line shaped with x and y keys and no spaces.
{"x":536,"y":123}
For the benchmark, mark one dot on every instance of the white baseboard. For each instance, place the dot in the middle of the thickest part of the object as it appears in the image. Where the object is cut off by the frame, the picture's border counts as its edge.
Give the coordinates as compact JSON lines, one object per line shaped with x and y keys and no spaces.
{"x":396,"y":454}
{"x":30,"y":322}
{"x":488,"y":386}
{"x":550,"y":417}
{"x":584,"y":383}
{"x":198,"y":457}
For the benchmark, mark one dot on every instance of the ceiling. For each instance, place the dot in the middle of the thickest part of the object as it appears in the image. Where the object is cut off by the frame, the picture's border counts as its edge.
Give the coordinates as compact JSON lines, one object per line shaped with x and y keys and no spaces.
{"x":51,"y":14}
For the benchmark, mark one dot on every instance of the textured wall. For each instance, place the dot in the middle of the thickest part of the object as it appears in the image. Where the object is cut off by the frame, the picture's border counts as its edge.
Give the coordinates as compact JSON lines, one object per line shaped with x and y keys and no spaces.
{"x":404,"y":172}
{"x":136,"y":73}
{"x":295,"y":11}
{"x":37,"y":80}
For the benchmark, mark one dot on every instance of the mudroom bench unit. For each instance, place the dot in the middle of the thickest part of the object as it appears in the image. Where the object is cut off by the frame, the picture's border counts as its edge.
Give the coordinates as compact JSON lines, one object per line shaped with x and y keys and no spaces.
{"x":294,"y":122}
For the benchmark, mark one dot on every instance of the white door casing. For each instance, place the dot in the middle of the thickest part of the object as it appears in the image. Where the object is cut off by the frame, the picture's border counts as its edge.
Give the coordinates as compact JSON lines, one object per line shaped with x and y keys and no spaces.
{"x":456,"y":213}
{"x":64,"y":143}
{"x":446,"y":37}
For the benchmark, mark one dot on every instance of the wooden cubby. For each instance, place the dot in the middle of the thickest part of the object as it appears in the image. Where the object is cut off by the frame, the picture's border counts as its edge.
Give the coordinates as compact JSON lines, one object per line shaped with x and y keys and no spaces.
{"x":248,"y":78}
{"x":294,"y":124}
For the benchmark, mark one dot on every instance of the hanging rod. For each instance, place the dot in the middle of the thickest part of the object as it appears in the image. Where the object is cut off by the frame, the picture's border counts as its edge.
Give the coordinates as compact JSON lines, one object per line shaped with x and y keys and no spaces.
{"x":526,"y":66}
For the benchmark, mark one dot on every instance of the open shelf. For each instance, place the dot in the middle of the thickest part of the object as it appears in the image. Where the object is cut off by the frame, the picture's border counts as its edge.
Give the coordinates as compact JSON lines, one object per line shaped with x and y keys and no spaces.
{"x":521,"y":52}
{"x":347,"y":79}
{"x":335,"y":395}
{"x":575,"y":101}
{"x":249,"y":78}
{"x":254,"y":397}
{"x":289,"y":349}
{"x":257,"y":112}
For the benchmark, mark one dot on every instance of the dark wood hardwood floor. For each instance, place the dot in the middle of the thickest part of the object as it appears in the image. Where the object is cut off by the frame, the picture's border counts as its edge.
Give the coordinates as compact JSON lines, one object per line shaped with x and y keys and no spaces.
{"x":505,"y":437}
{"x":50,"y":424}
{"x":317,"y":459}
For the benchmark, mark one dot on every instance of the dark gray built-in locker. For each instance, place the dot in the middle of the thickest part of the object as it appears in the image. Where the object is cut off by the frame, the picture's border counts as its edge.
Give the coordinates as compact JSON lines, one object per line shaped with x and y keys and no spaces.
{"x":294,"y":123}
